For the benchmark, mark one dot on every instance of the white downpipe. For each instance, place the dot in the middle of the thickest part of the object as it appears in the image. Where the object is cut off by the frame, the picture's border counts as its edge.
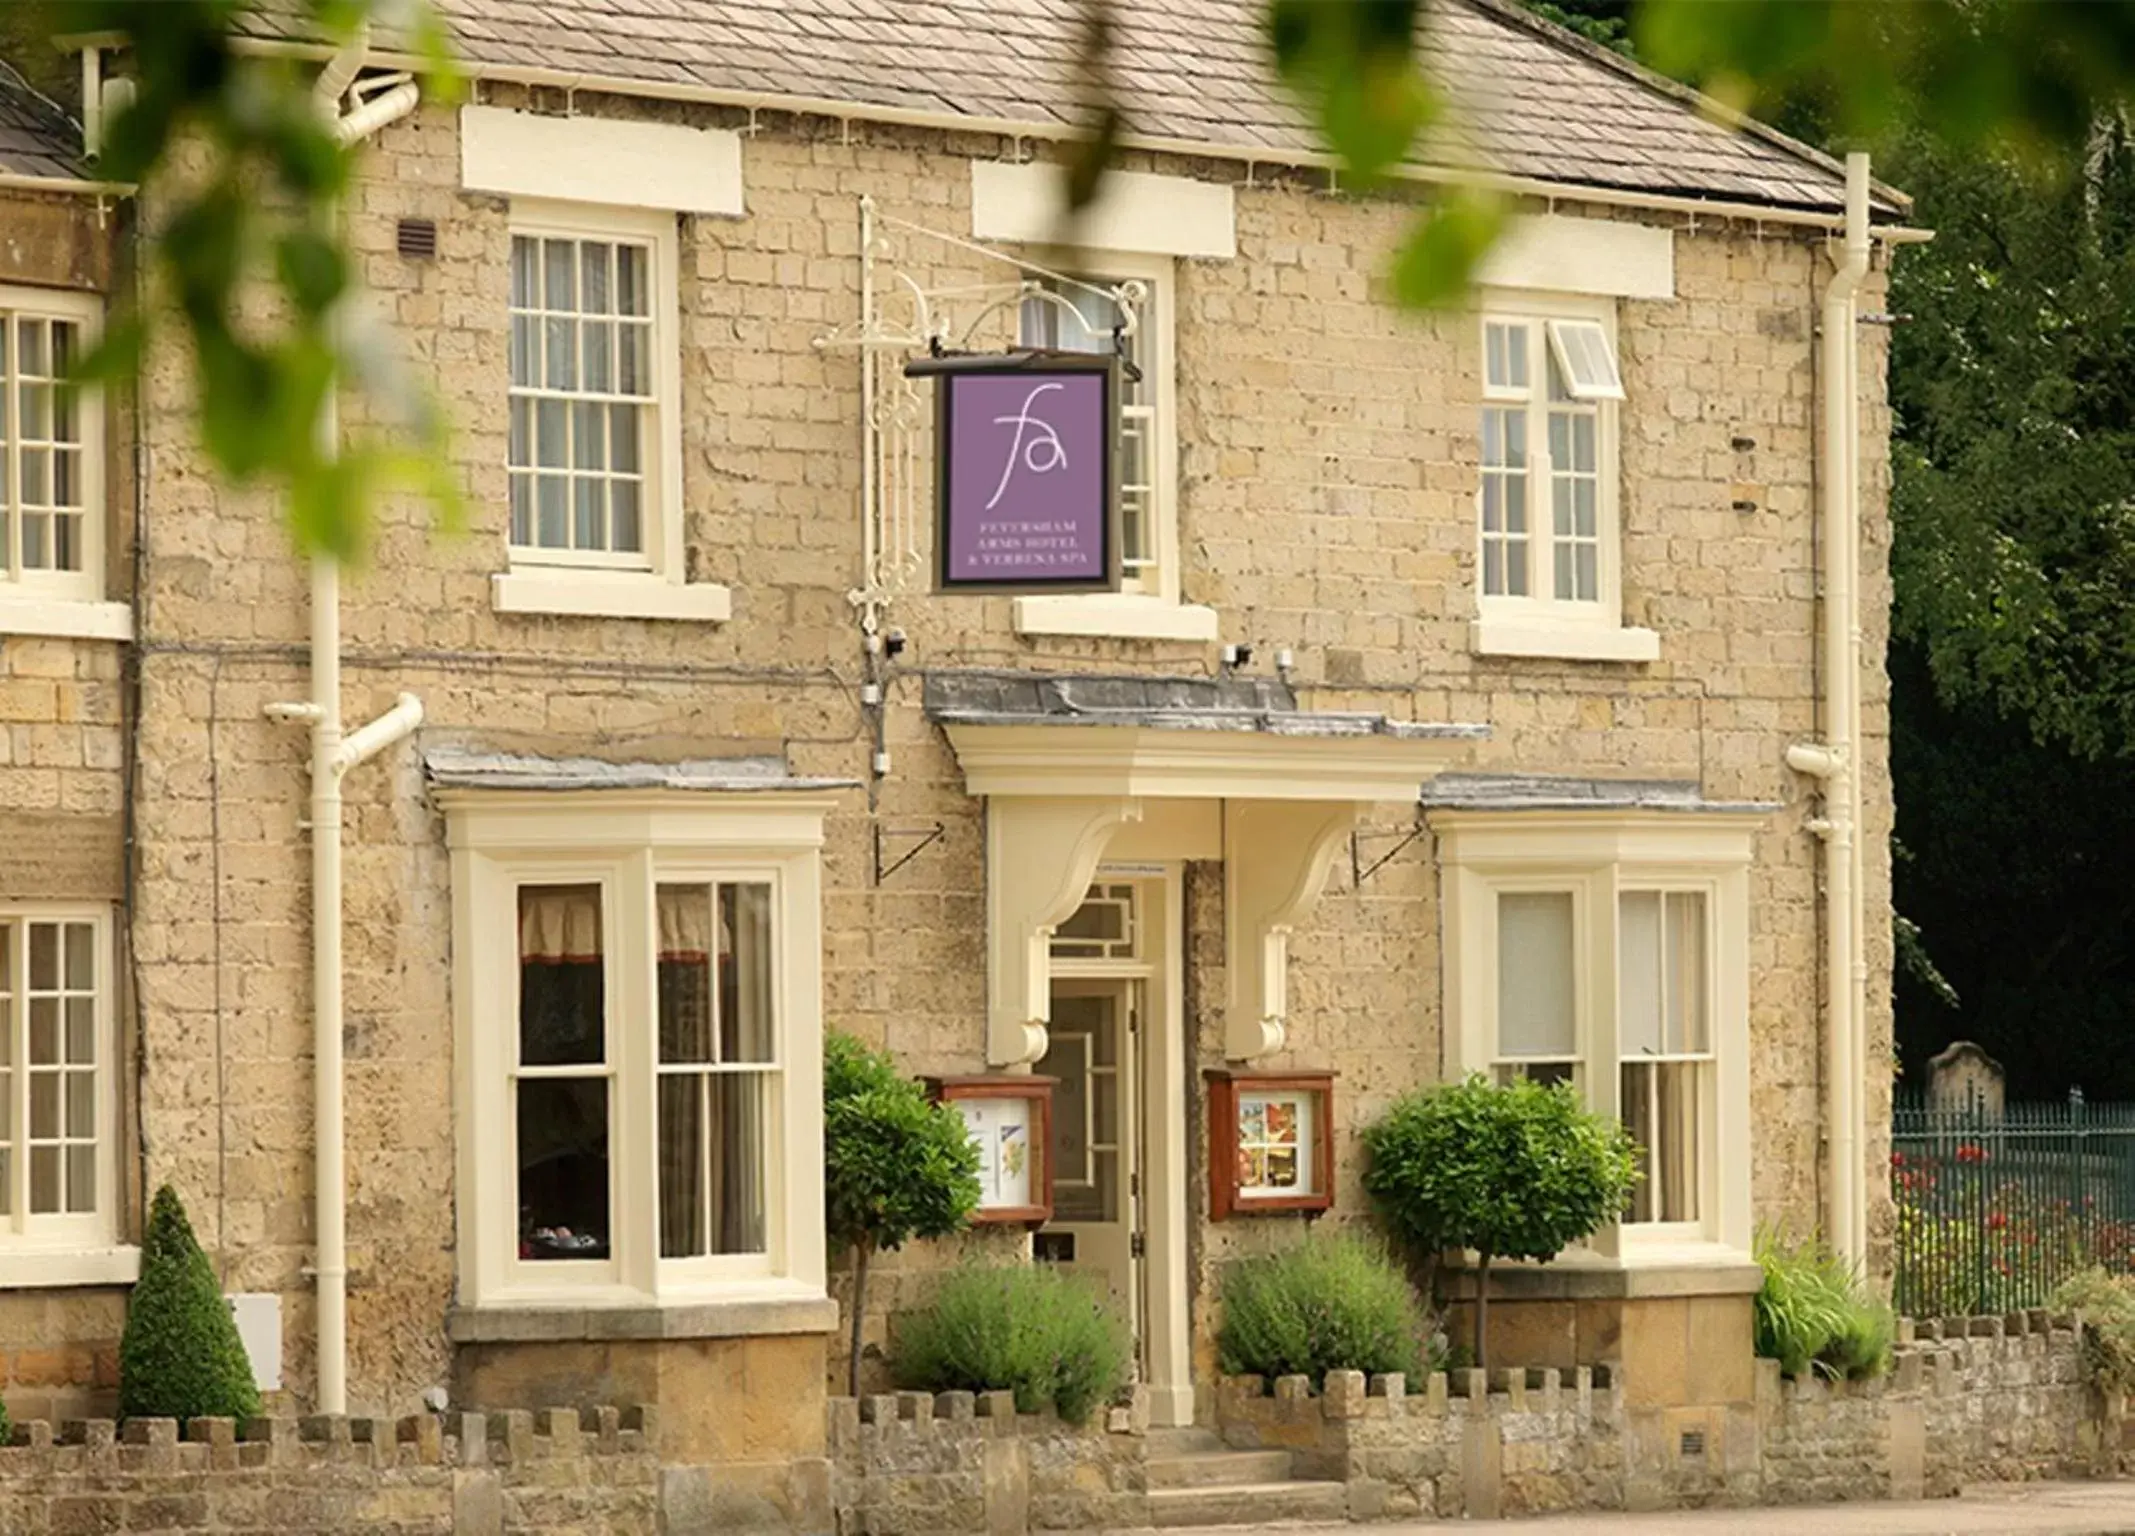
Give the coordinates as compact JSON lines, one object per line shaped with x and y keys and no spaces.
{"x":332,"y":756}
{"x":1857,"y":255}
{"x":1834,"y":760}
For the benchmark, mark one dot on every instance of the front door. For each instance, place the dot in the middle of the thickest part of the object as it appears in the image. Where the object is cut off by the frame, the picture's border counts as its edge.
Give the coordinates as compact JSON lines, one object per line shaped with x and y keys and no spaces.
{"x":1097,"y":1134}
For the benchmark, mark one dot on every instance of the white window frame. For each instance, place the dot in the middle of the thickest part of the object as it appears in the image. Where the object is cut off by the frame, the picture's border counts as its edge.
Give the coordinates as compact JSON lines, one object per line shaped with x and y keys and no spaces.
{"x":1597,"y":858}
{"x":597,"y":584}
{"x":58,"y":603}
{"x":1538,"y":622}
{"x":1148,"y":607}
{"x":630,"y":843}
{"x":62,"y":1248}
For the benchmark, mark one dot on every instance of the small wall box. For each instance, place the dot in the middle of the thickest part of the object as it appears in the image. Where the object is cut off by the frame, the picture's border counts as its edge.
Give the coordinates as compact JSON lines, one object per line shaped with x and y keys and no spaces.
{"x":1010,"y":1120}
{"x":1271,"y":1143}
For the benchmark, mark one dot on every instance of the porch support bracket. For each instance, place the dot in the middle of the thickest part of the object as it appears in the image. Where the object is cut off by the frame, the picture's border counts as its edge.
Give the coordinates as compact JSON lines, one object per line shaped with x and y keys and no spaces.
{"x":1041,"y":854}
{"x":1276,"y":857}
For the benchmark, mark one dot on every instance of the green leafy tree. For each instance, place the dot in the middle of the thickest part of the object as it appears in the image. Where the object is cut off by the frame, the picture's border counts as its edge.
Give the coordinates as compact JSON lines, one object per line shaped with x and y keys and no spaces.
{"x":180,"y":1357}
{"x":1517,"y":1172}
{"x":896,"y":1165}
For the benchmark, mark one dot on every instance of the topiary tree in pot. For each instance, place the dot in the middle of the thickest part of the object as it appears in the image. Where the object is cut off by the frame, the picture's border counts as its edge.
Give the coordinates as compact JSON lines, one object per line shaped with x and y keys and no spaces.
{"x":896,"y":1165}
{"x":180,"y":1356}
{"x":1518,"y":1171}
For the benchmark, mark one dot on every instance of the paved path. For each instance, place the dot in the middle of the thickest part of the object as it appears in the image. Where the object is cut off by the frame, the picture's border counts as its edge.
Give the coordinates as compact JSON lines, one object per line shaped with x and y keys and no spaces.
{"x":2032,"y":1509}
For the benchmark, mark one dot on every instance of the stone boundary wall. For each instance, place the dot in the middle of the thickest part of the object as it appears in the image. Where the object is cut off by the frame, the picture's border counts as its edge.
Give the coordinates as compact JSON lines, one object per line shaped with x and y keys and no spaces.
{"x":560,"y":1473}
{"x":1456,"y":1450}
{"x":907,"y":1463}
{"x":1966,"y":1400}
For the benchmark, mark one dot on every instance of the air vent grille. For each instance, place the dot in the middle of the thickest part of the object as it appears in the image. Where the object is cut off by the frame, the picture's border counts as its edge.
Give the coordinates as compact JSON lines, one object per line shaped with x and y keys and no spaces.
{"x":416,"y":239}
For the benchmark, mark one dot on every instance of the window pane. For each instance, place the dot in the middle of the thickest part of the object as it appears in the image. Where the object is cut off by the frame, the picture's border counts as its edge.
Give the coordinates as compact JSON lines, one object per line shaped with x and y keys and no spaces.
{"x":1687,"y":1031}
{"x":624,"y":424}
{"x":711,"y":1164}
{"x":525,"y":344}
{"x":81,"y":956}
{"x":595,"y":258}
{"x":682,"y":1115}
{"x":589,"y":435}
{"x":1586,"y":567}
{"x":1638,"y":973}
{"x":1535,"y":973}
{"x":560,"y":354}
{"x":31,"y":357}
{"x":522,"y":509}
{"x":81,"y":1179}
{"x":81,"y":1105}
{"x":745,"y":980}
{"x":522,"y":433}
{"x":562,"y":1008}
{"x":81,"y":1032}
{"x":558,"y":258}
{"x":633,"y":374}
{"x":1560,"y":498}
{"x":685,"y":918}
{"x":1494,"y":567}
{"x":1567,"y":577}
{"x":44,"y":1031}
{"x":36,"y":476}
{"x":523,"y":273}
{"x":598,"y":337}
{"x":553,"y":503}
{"x":552,"y":421}
{"x":1660,"y":1110}
{"x":44,"y":1181}
{"x":631,"y":283}
{"x":563,"y":1168}
{"x":626,"y":529}
{"x":588,"y":530}
{"x":44,"y":1105}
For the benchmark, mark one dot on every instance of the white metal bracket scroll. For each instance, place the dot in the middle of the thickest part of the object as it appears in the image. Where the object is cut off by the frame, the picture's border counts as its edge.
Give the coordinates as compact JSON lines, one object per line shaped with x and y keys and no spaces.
{"x":900,"y":317}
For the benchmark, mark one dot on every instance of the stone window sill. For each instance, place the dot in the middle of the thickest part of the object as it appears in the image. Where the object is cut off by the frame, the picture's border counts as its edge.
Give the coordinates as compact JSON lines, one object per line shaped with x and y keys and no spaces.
{"x":1114,"y":616}
{"x":27,"y":1269}
{"x":63,"y":618}
{"x":609,"y":595}
{"x":1566,"y":642}
{"x":773,"y":1312}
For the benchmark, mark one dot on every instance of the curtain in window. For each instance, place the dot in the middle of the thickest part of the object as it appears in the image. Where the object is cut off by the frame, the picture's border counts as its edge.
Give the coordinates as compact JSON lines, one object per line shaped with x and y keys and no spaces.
{"x":562,"y":1114}
{"x":715,"y":1018}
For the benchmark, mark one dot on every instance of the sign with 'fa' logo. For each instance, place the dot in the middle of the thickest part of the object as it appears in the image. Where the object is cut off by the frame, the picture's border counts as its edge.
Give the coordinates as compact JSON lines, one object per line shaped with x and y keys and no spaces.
{"x":1026,"y":495}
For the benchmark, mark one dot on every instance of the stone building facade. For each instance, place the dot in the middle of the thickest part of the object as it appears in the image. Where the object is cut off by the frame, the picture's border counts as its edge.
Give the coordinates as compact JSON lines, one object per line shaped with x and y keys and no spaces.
{"x":700,"y":706}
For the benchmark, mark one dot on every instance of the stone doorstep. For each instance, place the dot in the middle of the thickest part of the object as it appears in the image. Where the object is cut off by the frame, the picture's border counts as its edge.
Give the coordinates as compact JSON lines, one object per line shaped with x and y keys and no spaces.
{"x":1220,"y":1469}
{"x":1249,"y":1504}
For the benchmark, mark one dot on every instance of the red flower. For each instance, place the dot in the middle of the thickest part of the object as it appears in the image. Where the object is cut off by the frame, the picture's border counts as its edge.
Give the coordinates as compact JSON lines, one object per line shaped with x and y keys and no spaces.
{"x":1897,"y":1159}
{"x":1997,"y":1221}
{"x":1971,"y":1152}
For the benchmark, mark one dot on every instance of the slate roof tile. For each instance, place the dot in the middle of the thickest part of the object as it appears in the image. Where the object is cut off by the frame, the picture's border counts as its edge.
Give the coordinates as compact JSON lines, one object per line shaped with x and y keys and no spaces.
{"x":1534,"y":101}
{"x":36,"y":138}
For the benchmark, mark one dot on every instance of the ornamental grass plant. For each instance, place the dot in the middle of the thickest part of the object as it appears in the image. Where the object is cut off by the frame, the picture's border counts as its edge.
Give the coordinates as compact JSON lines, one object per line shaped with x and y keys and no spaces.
{"x":1815,"y":1316}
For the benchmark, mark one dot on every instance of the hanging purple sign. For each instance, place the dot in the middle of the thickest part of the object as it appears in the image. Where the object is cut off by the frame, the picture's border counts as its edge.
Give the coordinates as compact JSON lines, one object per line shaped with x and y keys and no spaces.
{"x":1024,"y":483}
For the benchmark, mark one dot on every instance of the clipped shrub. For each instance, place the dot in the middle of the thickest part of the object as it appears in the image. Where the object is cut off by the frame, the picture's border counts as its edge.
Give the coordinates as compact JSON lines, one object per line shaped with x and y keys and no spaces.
{"x":896,"y":1165}
{"x":180,"y":1357}
{"x":1331,"y":1303}
{"x":2107,"y":1305}
{"x":1053,"y":1339}
{"x":1814,"y":1315}
{"x":1515,"y":1171}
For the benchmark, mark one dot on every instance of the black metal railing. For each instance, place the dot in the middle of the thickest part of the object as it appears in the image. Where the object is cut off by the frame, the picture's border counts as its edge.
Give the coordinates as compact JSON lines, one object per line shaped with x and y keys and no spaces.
{"x":1995,"y":1209}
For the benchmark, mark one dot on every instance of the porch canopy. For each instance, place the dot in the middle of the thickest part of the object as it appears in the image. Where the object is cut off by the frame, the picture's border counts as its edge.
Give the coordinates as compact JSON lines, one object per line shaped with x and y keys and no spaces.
{"x":1076,"y":770}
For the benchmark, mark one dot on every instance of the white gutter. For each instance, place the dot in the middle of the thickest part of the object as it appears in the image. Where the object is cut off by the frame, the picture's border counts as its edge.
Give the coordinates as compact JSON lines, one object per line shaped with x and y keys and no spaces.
{"x":332,"y":756}
{"x":1834,"y":760}
{"x":1059,"y":132}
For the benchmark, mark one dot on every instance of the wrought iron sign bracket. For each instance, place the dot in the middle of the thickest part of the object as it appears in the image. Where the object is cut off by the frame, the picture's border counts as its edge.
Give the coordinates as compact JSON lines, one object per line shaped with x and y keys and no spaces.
{"x":1360,"y":871}
{"x":927,"y":836}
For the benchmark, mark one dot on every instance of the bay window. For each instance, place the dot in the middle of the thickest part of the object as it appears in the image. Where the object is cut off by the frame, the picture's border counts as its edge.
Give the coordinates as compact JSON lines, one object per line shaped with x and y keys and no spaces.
{"x":637,"y":991}
{"x":1610,"y":950}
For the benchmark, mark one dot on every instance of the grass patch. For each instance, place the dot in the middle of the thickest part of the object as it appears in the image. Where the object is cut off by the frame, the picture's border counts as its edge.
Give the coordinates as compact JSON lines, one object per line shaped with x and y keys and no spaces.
{"x":1814,"y":1316}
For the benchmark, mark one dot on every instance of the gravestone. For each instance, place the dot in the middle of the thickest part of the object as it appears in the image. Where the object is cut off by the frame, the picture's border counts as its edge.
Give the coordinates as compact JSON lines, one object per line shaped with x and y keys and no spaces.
{"x":1964,"y":1077}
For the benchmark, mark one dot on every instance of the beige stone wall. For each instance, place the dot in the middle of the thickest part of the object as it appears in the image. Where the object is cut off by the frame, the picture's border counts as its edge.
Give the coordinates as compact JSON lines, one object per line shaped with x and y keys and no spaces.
{"x":63,"y":743}
{"x":1327,"y":467}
